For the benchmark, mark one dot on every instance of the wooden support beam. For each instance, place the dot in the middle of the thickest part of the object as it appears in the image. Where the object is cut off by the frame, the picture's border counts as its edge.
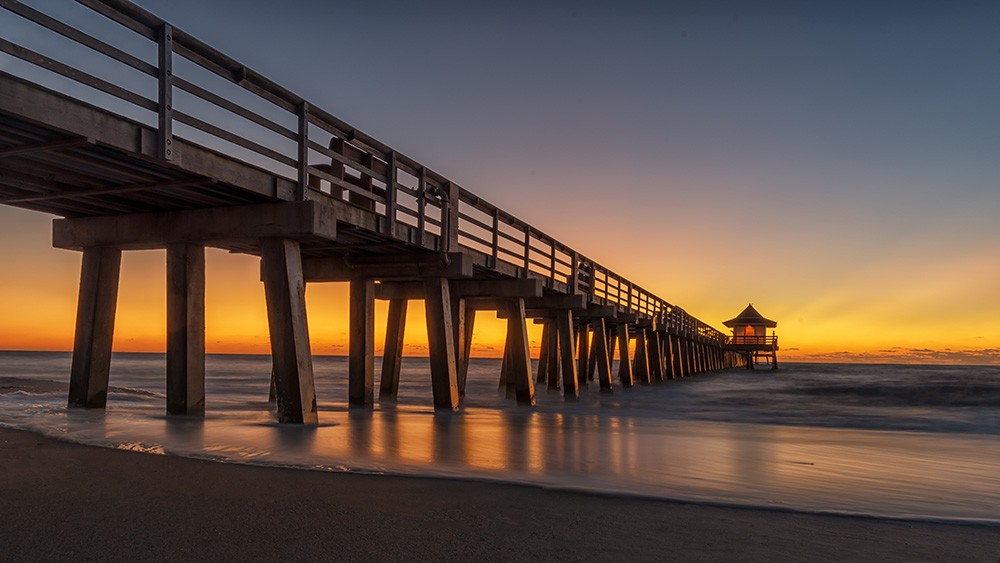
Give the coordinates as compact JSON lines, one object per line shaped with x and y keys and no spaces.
{"x":567,"y":353}
{"x":361,"y":362}
{"x":491,"y":294}
{"x":668,"y":356}
{"x":441,"y":344}
{"x":250,"y":223}
{"x":629,"y":318}
{"x":592,"y":361}
{"x":185,"y":329}
{"x":392,"y":357}
{"x":602,"y":356}
{"x":575,"y":302}
{"x":689,"y":365}
{"x":641,"y":362}
{"x":519,"y":361}
{"x":655,"y":357}
{"x":389,"y":267}
{"x":678,"y":354}
{"x":469,"y":315}
{"x":107,"y":190}
{"x":553,"y":355}
{"x":625,"y":358}
{"x":594,"y":311}
{"x":504,"y":386}
{"x":284,"y":290}
{"x":543,"y":353}
{"x":582,"y":353}
{"x":45,"y":146}
{"x":95,"y":325}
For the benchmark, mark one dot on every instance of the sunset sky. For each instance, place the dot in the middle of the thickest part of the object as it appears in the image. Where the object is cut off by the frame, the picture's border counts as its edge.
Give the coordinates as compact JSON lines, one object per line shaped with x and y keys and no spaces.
{"x":837,"y":164}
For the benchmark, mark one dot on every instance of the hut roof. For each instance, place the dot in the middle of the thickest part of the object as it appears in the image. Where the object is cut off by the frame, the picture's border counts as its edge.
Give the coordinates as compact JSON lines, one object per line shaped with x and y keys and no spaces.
{"x":750,"y":316}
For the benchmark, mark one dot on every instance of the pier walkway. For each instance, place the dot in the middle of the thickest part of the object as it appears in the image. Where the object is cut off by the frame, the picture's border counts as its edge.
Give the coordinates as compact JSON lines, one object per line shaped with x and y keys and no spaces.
{"x":162,"y":142}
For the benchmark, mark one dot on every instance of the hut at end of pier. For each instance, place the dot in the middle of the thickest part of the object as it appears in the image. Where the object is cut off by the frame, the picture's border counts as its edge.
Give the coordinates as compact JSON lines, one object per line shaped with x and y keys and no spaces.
{"x":750,"y":337}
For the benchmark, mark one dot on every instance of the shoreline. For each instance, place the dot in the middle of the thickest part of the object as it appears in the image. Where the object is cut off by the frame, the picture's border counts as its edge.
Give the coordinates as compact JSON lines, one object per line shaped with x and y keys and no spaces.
{"x":63,"y":499}
{"x":487,"y":480}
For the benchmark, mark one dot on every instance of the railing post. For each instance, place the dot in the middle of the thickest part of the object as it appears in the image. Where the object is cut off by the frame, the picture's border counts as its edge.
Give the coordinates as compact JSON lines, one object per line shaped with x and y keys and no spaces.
{"x":573,"y":280}
{"x":527,"y":250}
{"x":451,"y":217}
{"x":389,"y":227}
{"x":303,"y":153}
{"x":552,"y":263}
{"x":496,"y":237}
{"x":164,"y":91}
{"x":421,"y":204}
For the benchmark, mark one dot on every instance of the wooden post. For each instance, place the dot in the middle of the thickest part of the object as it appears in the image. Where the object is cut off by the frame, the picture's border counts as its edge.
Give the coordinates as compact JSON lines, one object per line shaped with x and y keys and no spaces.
{"x":592,"y":362}
{"x":450,"y":221}
{"x":284,"y":290}
{"x":583,"y":353}
{"x":95,"y":327}
{"x":389,"y":227}
{"x":164,"y":90}
{"x":337,"y":169}
{"x":625,"y":359}
{"x":301,"y":187}
{"x":679,"y":366}
{"x":519,"y":364}
{"x":366,"y":184}
{"x":668,"y":357}
{"x":185,"y":329}
{"x":461,"y":334}
{"x":655,"y":358}
{"x":507,"y":386}
{"x":553,"y":356}
{"x":564,"y":324}
{"x":469,"y":323}
{"x":692,"y":366}
{"x":641,"y":363}
{"x":361,"y":345}
{"x":441,"y":343}
{"x":543,"y":353}
{"x":392,"y":357}
{"x":602,"y":356}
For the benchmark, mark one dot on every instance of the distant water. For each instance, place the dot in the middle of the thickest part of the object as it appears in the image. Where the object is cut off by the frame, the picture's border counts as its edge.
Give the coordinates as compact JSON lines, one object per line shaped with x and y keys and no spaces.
{"x":882,"y":440}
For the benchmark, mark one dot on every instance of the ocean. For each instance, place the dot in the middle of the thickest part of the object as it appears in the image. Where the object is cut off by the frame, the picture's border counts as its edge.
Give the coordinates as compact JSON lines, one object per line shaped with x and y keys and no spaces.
{"x":896,"y":441}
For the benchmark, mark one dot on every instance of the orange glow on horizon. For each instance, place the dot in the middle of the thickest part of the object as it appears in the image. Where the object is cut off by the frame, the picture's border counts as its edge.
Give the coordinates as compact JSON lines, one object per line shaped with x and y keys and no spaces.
{"x":840,"y":322}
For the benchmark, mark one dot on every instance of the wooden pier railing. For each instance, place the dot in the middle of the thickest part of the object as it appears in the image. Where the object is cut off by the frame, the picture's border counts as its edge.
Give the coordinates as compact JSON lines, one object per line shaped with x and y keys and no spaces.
{"x":762,"y":341}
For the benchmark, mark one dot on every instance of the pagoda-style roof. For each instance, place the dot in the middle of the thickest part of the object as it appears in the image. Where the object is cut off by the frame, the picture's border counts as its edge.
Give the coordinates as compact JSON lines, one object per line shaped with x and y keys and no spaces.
{"x":750,"y":316}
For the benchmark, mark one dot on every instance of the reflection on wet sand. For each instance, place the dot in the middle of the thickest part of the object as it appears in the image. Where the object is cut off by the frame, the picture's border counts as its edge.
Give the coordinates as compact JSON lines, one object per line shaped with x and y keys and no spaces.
{"x":808,"y":468}
{"x":621,"y":443}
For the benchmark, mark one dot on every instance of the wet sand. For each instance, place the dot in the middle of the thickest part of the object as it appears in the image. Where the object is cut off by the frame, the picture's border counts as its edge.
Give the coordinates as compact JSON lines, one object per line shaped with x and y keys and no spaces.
{"x":63,"y":501}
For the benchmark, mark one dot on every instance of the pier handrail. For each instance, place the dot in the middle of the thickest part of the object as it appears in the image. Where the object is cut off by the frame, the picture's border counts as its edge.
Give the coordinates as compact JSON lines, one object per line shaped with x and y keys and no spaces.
{"x":326,"y":157}
{"x":753,"y":340}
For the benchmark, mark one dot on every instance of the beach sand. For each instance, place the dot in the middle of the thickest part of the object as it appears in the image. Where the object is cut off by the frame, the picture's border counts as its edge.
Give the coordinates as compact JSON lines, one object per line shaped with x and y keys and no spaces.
{"x":61,"y":501}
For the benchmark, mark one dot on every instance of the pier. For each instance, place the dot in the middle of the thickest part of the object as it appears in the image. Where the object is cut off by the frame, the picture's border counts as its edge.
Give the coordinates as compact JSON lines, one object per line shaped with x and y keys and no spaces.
{"x":318,"y":201}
